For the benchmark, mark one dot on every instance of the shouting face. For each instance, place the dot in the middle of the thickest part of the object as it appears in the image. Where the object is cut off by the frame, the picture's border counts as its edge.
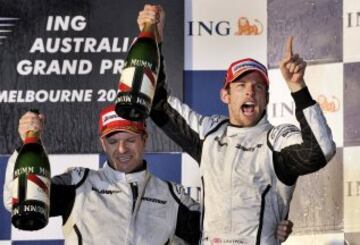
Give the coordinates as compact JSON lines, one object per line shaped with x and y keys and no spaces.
{"x":246,"y":98}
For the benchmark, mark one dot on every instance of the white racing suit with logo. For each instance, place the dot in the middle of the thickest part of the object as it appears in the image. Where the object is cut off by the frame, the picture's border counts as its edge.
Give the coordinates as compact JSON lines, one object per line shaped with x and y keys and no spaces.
{"x":109,"y":207}
{"x":248,"y":174}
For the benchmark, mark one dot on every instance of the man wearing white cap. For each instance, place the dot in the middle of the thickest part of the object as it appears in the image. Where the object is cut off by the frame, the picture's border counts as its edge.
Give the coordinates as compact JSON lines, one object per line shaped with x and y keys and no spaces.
{"x":121,"y":203}
{"x":248,"y":167}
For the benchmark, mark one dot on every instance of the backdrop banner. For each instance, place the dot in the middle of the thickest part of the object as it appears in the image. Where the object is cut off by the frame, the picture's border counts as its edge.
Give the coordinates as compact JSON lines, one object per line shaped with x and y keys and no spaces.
{"x":65,"y":58}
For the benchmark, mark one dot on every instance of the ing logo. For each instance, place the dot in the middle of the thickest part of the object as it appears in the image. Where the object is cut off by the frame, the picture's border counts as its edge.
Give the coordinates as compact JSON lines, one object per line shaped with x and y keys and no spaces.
{"x":328,"y":105}
{"x":243,"y":26}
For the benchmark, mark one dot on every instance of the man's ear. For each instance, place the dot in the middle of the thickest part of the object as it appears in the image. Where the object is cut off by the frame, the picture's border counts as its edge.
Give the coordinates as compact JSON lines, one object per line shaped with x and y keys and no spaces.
{"x":102,"y":143}
{"x":144,"y":137}
{"x":267,"y":97}
{"x":224,"y":95}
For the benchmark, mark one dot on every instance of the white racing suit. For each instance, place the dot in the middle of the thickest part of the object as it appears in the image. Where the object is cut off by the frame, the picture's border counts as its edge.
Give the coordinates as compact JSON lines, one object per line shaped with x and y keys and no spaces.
{"x":109,"y":207}
{"x":248,"y":174}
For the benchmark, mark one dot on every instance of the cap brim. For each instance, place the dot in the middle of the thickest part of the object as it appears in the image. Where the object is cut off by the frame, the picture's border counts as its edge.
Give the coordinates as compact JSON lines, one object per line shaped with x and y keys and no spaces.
{"x":113,"y":130}
{"x":237,"y":75}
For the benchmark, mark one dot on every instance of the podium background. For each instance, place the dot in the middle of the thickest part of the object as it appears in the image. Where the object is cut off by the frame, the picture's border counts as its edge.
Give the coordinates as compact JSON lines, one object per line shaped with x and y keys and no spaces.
{"x":202,"y":38}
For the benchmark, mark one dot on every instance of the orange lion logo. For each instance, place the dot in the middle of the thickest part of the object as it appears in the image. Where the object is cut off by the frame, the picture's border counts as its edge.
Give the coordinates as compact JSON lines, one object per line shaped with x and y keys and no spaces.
{"x":245,"y":28}
{"x":326,"y":105}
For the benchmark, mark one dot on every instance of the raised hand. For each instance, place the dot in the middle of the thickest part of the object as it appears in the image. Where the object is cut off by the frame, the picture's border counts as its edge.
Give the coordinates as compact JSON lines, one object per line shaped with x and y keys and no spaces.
{"x":152,"y":14}
{"x":292,"y":67}
{"x":31,"y":121}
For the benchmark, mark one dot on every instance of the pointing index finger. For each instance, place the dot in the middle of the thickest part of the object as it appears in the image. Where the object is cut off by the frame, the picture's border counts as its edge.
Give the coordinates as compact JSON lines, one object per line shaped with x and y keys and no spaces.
{"x":289,"y":45}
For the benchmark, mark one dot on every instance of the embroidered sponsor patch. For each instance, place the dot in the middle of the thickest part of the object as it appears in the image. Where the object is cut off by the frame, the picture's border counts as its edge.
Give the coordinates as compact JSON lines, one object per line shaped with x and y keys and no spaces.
{"x":222,"y":240}
{"x":218,"y":140}
{"x":283,"y":131}
{"x":110,"y":192}
{"x":150,"y":199}
{"x":78,"y":171}
{"x":251,"y":148}
{"x":179,"y":189}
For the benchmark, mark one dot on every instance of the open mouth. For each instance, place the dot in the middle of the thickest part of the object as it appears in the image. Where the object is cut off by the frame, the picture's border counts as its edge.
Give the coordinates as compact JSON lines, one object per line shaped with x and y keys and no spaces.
{"x":248,"y":108}
{"x":124,"y":158}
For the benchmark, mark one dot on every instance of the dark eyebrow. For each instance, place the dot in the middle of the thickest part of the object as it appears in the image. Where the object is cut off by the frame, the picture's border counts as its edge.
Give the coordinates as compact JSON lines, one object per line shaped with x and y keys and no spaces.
{"x":238,"y":81}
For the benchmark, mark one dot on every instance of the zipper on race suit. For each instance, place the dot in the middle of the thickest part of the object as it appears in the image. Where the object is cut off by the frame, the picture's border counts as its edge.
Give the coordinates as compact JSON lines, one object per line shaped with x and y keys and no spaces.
{"x":135,"y":193}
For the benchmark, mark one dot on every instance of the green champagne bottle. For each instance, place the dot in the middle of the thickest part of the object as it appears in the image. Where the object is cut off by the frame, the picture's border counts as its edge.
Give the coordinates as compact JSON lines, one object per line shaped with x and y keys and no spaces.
{"x":31,"y":189}
{"x":139,"y":76}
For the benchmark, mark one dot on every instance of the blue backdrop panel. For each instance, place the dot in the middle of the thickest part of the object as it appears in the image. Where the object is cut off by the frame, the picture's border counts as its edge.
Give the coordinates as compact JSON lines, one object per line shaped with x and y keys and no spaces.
{"x":43,"y":242}
{"x":166,"y":166}
{"x":202,"y":91}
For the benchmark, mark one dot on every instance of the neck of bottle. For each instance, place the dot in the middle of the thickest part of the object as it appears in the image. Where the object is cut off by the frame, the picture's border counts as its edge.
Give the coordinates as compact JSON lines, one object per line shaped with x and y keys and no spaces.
{"x":150,"y":30}
{"x":32,"y":137}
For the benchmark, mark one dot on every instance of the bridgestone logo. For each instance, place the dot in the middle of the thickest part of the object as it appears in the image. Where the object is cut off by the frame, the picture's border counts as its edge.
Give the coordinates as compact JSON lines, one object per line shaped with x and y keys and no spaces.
{"x":106,"y":118}
{"x":149,"y":199}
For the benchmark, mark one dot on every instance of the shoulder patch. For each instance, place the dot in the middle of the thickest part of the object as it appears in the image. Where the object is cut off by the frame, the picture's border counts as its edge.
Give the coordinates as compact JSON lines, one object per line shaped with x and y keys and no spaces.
{"x":279,"y":134}
{"x":79,"y":171}
{"x":180,"y":195}
{"x":214,"y":123}
{"x":283,"y":131}
{"x":77,"y":174}
{"x":216,"y":119}
{"x":178,"y":189}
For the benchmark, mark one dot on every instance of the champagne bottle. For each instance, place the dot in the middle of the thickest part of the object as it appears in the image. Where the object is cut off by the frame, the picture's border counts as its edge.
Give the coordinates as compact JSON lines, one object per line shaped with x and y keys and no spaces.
{"x":139,"y":76}
{"x":31,"y":189}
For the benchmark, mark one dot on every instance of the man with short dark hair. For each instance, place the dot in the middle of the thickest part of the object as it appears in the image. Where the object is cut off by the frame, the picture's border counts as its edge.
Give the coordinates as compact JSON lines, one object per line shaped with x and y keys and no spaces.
{"x":248,"y":167}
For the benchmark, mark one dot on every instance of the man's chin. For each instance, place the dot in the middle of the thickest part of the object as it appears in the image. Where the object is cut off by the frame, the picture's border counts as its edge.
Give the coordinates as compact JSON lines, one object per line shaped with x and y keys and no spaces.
{"x":250,"y":121}
{"x":121,"y":166}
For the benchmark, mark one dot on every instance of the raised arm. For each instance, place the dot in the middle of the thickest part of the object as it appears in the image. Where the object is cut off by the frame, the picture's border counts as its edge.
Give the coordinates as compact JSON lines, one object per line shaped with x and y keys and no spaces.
{"x":184,"y":126}
{"x":62,"y":190}
{"x":29,"y":121}
{"x":299,"y":152}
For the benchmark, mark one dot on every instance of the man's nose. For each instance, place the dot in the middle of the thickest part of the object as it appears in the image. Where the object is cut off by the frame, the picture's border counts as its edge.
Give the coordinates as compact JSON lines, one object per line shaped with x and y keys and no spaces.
{"x":250,"y":90}
{"x":122,"y":147}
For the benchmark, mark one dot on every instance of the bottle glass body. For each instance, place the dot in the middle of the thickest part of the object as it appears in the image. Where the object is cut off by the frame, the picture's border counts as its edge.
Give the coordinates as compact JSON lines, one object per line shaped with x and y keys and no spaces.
{"x":31,"y":187}
{"x":139,"y":76}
